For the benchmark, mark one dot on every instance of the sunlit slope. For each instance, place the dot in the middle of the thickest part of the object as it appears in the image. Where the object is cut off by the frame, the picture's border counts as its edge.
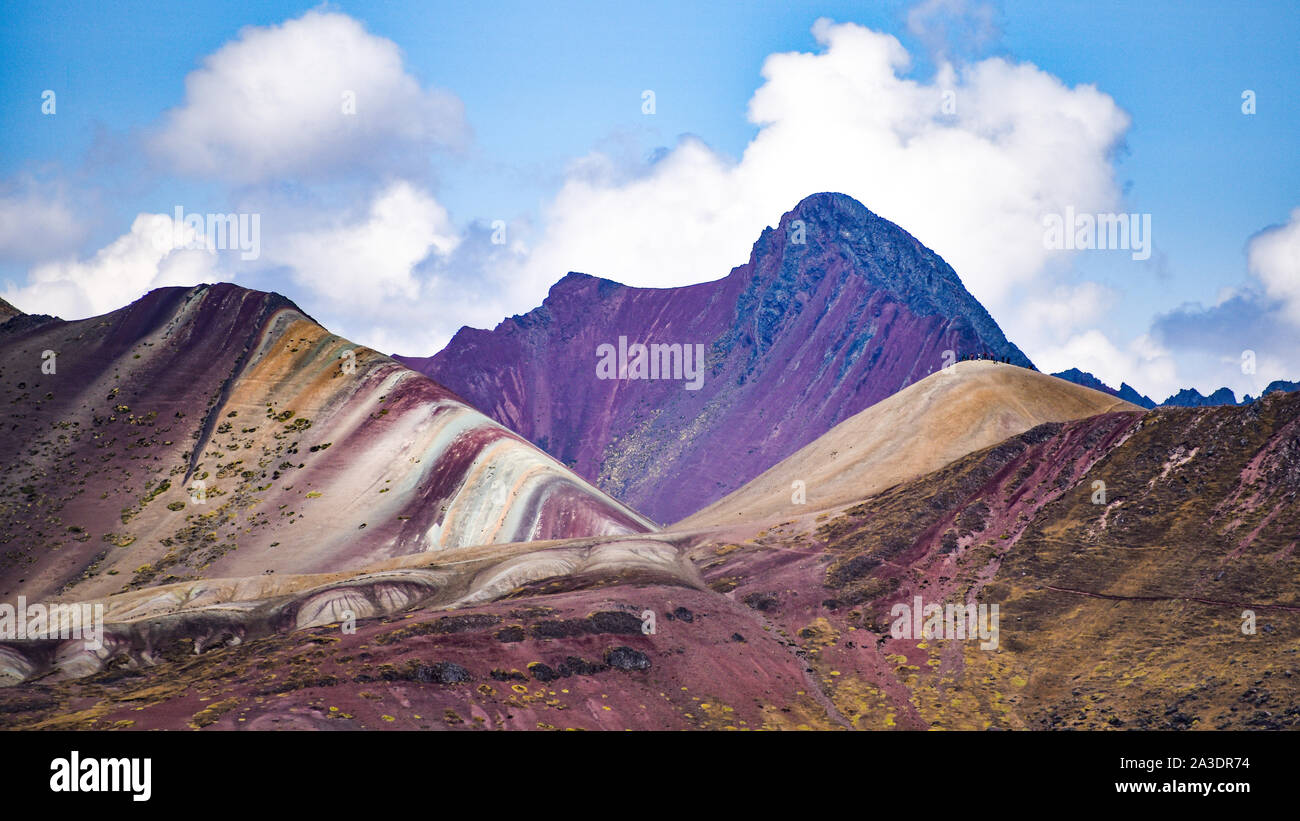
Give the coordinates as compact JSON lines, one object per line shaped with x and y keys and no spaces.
{"x":919,"y":429}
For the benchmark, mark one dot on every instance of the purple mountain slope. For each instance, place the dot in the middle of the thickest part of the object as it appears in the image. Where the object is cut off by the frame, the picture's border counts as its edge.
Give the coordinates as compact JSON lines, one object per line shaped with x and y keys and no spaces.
{"x":804,"y":335}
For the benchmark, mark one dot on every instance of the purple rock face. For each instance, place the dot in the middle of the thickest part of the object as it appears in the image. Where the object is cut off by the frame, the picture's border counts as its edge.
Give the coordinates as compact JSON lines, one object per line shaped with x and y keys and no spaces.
{"x":836,"y":309}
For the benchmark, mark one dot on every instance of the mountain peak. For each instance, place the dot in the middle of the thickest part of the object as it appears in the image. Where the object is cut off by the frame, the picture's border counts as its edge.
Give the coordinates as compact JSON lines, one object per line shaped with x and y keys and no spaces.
{"x":840,"y":207}
{"x":828,"y":237}
{"x":827,"y":215}
{"x":218,"y":293}
{"x":1192,"y":398}
{"x":1126,"y":391}
{"x":826,"y":318}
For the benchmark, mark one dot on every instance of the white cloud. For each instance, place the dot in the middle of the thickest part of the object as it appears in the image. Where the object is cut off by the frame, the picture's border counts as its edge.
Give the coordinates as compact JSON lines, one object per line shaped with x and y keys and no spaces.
{"x":1274,"y":257}
{"x":1044,"y":311}
{"x":271,"y":104}
{"x":973,"y":184}
{"x":36,"y":223}
{"x":1143,"y":363}
{"x":366,"y":263}
{"x":120,"y":272}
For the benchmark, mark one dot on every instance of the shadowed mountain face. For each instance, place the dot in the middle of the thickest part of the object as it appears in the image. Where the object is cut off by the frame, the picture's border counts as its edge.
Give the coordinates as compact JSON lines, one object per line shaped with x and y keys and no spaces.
{"x":217,"y":431}
{"x":1119,"y":607}
{"x":836,"y":309}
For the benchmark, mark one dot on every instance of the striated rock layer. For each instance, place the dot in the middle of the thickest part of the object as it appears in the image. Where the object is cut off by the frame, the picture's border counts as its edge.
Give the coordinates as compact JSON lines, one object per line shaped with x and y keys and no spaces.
{"x":801,"y":337}
{"x":217,"y":432}
{"x":1120,"y":608}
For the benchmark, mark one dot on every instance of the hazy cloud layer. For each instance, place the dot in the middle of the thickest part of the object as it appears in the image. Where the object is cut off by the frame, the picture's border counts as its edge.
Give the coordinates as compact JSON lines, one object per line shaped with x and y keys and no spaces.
{"x":37,"y":222}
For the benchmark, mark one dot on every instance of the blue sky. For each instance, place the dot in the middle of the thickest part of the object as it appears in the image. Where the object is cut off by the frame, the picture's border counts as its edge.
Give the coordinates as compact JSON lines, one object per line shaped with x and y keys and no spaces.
{"x":551,"y":92}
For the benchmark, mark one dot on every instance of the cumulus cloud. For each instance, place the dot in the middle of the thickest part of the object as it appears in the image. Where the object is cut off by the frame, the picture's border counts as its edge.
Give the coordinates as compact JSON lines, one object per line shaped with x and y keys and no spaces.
{"x":300,"y":120}
{"x":1143,"y":362}
{"x":366,"y":263}
{"x":1042,"y":312}
{"x":973,"y":181}
{"x":395,"y":274}
{"x":1273,"y":256}
{"x":122,"y":271}
{"x":275,"y":102}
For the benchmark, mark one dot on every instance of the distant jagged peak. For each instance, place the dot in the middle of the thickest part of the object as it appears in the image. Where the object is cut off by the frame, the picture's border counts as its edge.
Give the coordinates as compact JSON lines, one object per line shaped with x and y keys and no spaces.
{"x":1125,"y":391}
{"x":831,"y":223}
{"x":1185,"y":398}
{"x":1275,"y":386}
{"x":1192,"y":398}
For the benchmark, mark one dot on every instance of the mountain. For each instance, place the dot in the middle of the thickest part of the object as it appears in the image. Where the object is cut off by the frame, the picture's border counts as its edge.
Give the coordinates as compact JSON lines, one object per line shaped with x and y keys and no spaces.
{"x":835,"y":310}
{"x":310,"y":454}
{"x":923,"y":427}
{"x":1126,"y":391}
{"x":370,"y":552}
{"x":1090,"y":536}
{"x":1186,"y":398}
{"x":1192,"y":398}
{"x":1276,"y":385}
